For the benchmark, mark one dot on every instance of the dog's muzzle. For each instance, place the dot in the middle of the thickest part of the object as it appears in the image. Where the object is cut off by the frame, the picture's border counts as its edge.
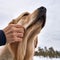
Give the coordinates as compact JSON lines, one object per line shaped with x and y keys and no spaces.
{"x":42,"y":15}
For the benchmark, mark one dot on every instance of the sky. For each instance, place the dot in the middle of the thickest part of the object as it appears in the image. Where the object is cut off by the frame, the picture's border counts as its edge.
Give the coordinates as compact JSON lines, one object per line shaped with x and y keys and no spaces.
{"x":50,"y":34}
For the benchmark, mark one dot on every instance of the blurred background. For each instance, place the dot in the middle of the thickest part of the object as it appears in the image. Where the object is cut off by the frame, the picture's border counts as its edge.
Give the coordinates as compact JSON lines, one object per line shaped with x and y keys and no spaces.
{"x":50,"y":34}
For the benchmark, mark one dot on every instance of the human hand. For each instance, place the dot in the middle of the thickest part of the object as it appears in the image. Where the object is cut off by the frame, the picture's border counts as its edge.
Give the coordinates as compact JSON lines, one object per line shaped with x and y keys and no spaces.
{"x":14,"y":33}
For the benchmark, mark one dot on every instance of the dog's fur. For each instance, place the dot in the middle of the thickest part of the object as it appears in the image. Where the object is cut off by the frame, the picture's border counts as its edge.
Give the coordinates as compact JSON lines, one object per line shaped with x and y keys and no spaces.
{"x":33,"y":23}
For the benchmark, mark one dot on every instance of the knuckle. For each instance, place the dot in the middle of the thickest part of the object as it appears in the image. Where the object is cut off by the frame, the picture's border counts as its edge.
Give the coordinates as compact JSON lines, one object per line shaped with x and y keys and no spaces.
{"x":13,"y":29}
{"x":20,"y":39}
{"x":11,"y":25}
{"x":13,"y":34}
{"x":22,"y":34}
{"x":22,"y":30}
{"x":14,"y":38}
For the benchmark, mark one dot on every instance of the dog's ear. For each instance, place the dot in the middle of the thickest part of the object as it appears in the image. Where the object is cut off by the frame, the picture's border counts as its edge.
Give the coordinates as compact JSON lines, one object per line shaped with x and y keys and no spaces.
{"x":13,"y":21}
{"x":23,"y":14}
{"x":26,"y":13}
{"x":36,"y":42}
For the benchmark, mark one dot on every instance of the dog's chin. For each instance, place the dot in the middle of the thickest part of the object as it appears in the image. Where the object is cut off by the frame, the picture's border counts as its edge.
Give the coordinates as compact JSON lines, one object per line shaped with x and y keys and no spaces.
{"x":38,"y":23}
{"x":35,"y":28}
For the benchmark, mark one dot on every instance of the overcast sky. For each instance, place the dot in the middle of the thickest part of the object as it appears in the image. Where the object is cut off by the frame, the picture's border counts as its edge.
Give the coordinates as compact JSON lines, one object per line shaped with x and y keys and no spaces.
{"x":50,"y":35}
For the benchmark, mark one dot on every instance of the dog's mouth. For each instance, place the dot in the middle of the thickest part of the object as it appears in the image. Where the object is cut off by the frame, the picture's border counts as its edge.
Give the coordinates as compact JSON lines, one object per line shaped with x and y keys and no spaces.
{"x":40,"y":18}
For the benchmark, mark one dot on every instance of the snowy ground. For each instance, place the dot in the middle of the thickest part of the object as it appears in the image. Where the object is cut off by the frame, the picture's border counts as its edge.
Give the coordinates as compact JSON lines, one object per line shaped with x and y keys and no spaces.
{"x":42,"y":58}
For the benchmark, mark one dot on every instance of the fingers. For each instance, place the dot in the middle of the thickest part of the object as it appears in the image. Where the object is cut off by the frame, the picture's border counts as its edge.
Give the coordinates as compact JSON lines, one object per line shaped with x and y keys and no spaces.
{"x":14,"y":29}
{"x":16,"y":25}
{"x":20,"y":35}
{"x":11,"y":40}
{"x":12,"y":26}
{"x":16,"y":39}
{"x":14,"y":33}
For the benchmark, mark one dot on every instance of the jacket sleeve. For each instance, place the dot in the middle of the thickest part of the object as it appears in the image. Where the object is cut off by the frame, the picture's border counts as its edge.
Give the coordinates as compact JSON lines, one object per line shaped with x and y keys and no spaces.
{"x":2,"y":38}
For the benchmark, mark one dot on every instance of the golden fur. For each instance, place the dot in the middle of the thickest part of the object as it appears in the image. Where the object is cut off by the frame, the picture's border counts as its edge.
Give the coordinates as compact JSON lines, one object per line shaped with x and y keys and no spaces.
{"x":33,"y":23}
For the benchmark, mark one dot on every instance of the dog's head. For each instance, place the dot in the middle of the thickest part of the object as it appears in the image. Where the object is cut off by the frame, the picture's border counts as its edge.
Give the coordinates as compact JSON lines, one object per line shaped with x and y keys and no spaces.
{"x":35,"y":20}
{"x":33,"y":23}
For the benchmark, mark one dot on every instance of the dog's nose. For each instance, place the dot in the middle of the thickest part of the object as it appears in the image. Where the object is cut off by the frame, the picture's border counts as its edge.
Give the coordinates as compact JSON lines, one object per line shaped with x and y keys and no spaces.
{"x":42,"y":14}
{"x":42,"y":9}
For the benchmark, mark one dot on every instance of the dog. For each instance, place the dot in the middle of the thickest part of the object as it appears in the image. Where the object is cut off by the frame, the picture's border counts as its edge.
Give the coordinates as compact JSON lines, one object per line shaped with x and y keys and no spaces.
{"x":33,"y":23}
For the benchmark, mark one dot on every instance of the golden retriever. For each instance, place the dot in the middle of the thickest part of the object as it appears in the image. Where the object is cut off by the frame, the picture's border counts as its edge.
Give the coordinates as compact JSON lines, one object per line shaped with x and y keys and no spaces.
{"x":33,"y":23}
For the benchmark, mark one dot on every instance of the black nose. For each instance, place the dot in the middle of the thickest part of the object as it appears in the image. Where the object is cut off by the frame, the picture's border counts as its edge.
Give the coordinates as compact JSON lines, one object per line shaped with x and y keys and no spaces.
{"x":42,"y":9}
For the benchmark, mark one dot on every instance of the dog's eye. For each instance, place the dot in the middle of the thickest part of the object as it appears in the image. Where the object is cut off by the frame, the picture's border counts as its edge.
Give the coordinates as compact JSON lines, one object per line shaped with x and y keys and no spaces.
{"x":26,"y":14}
